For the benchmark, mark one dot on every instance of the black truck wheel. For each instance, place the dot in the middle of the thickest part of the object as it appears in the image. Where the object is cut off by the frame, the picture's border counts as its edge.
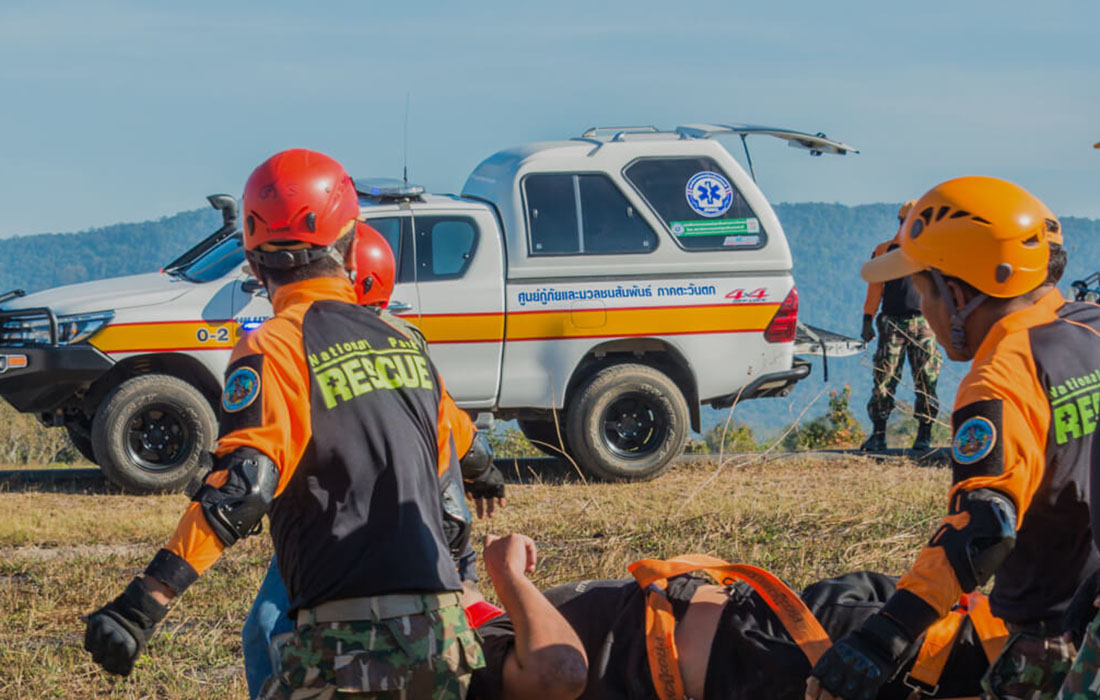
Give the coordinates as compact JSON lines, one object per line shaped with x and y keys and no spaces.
{"x":151,"y":432}
{"x":543,"y":435}
{"x":627,"y":423}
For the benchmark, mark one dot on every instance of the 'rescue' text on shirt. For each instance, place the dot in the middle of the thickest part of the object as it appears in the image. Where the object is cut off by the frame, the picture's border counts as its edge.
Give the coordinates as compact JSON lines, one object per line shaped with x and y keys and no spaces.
{"x":1075,"y":404}
{"x":353,"y":368}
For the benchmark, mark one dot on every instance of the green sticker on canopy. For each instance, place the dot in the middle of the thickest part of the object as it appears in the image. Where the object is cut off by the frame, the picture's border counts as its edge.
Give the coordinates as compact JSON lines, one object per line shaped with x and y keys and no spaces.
{"x":721,"y":227}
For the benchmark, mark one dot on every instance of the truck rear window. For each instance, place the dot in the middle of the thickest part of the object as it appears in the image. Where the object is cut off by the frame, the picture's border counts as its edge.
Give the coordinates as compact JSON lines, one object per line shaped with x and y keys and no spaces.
{"x":698,"y":202}
{"x":582,"y":214}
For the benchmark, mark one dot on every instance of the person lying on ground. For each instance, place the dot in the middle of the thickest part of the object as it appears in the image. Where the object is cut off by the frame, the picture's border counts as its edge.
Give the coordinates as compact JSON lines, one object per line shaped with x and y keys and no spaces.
{"x":588,"y":639}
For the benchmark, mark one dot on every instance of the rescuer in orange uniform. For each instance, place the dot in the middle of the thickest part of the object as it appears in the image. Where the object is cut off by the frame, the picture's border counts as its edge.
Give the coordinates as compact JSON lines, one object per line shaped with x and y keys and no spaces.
{"x":333,"y":424}
{"x":986,"y":255}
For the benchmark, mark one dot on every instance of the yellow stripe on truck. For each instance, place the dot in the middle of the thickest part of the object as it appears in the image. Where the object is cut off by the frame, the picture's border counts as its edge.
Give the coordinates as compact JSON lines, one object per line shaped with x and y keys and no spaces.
{"x":461,"y":328}
{"x":164,"y":337}
{"x":596,"y":323}
{"x":470,"y":328}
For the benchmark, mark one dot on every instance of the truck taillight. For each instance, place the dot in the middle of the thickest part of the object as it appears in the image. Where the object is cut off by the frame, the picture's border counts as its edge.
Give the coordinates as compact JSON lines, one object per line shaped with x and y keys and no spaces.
{"x":783,"y":325}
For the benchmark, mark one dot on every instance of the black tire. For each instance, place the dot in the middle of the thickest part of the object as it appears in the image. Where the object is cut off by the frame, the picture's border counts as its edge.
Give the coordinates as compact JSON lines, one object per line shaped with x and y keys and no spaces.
{"x":543,"y":435}
{"x":81,"y":437}
{"x":627,"y":423}
{"x":151,"y":432}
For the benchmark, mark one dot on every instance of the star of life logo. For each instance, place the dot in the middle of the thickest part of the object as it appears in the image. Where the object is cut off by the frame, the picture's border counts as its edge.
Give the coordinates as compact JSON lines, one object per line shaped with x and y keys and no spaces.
{"x":709,"y":194}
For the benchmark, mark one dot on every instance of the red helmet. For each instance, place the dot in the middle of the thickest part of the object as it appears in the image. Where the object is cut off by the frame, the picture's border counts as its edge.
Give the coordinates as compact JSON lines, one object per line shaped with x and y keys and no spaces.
{"x":297,"y":197}
{"x":374,"y":267}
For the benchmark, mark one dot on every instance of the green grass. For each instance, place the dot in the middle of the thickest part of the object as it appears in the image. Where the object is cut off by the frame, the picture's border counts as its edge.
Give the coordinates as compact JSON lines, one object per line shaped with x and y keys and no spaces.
{"x":64,"y":552}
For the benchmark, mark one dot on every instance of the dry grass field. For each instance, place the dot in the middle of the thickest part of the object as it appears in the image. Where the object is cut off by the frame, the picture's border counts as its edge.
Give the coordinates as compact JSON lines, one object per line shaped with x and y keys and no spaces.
{"x":65,"y":552}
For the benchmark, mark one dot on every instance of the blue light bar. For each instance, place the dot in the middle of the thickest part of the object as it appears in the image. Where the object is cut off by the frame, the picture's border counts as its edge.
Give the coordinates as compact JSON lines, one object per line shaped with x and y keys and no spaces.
{"x":387,"y":188}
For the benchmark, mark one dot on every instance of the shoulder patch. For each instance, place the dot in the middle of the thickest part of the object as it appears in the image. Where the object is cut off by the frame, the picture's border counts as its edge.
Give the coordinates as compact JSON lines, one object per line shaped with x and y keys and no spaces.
{"x":241,"y":405}
{"x":977,"y":446}
{"x":241,"y":389}
{"x":974,"y":440}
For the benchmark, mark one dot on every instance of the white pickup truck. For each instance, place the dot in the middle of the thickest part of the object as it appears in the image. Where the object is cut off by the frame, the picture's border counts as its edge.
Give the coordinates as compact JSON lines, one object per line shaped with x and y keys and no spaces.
{"x":599,"y":290}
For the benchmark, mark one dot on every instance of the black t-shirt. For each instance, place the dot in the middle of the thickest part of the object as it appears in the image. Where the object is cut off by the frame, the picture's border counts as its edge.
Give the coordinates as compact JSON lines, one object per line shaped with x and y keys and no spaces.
{"x":900,"y":297}
{"x":752,"y":656}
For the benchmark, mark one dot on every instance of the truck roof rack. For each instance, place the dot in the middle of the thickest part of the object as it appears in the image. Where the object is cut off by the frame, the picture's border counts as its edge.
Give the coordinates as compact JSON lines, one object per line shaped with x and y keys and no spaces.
{"x":387,"y":189}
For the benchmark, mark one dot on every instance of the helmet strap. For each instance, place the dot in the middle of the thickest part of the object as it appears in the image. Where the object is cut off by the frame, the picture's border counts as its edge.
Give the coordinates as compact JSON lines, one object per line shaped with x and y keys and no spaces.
{"x":287,"y":259}
{"x":958,"y":316}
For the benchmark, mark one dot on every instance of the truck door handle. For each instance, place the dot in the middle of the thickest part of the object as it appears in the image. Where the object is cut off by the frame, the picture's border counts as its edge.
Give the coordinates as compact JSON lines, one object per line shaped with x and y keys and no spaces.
{"x":398,"y":307}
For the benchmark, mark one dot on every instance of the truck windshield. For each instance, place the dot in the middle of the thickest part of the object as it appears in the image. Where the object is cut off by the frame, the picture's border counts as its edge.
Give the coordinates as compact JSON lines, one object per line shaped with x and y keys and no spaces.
{"x":214,"y":262}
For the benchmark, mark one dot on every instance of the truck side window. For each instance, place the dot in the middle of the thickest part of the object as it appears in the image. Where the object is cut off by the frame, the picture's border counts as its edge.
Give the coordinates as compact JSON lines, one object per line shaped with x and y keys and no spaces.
{"x":392,"y":228}
{"x":698,"y":202}
{"x":444,"y":246}
{"x":582,"y":214}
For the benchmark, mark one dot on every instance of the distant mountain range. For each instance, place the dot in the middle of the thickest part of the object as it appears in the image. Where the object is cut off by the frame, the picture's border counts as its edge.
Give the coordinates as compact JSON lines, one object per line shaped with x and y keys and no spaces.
{"x":829,"y":243}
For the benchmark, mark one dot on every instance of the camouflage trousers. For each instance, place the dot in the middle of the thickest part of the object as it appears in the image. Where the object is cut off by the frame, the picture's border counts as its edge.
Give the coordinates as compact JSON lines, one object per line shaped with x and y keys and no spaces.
{"x":898,"y":337}
{"x":426,"y":655}
{"x":1083,"y":680}
{"x":1030,"y":667}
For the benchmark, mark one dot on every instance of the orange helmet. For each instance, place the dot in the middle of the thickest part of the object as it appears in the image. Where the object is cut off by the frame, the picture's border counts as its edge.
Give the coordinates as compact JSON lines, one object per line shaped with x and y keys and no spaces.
{"x":297,"y":203}
{"x":374,"y":267}
{"x":988,"y":232}
{"x":903,"y":210}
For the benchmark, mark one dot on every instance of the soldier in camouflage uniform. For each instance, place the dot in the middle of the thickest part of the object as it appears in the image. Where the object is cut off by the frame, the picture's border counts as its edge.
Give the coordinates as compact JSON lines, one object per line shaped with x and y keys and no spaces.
{"x":1083,"y":680}
{"x":1031,"y":667}
{"x":902,"y":331}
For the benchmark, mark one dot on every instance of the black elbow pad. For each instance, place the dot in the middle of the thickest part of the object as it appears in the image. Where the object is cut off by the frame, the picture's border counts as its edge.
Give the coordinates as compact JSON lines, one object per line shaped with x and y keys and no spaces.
{"x":234,"y":510}
{"x":978,"y":549}
{"x":456,"y":515}
{"x":478,"y":459}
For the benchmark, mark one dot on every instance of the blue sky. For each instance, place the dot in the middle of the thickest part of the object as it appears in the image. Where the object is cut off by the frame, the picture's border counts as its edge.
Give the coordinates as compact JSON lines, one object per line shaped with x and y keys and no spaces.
{"x":124,"y":111}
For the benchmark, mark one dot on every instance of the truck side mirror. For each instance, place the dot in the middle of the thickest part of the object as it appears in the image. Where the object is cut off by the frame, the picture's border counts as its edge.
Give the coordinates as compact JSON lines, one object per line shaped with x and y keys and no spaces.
{"x":251,"y":286}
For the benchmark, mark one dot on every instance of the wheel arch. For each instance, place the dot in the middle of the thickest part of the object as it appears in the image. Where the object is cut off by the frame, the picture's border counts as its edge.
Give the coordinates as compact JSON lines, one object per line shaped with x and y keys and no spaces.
{"x":182,"y":367}
{"x":653,"y":352}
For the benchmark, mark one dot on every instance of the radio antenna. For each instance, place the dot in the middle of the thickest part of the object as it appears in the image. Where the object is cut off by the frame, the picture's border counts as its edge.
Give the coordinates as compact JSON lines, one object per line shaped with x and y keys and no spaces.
{"x":405,"y":165}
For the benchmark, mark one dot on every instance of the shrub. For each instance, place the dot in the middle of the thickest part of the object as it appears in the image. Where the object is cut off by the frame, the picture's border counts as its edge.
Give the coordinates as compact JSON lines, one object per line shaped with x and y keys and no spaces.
{"x":23,"y":440}
{"x":838,"y":428}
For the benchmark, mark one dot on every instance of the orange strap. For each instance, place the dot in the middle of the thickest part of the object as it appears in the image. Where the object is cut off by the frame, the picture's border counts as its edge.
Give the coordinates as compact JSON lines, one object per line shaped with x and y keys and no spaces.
{"x":660,"y":645}
{"x":653,"y":574}
{"x":792,"y":612}
{"x":940,"y":639}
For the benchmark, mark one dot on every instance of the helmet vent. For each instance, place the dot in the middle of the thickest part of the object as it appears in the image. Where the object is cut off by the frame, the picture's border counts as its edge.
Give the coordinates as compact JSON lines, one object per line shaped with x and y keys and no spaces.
{"x":1002,"y":273}
{"x":959,"y":214}
{"x":980,"y":220}
{"x":916,"y":229}
{"x":1031,"y":242}
{"x":942,"y":212}
{"x":927,"y":215}
{"x":311,"y":222}
{"x":1051,"y":225}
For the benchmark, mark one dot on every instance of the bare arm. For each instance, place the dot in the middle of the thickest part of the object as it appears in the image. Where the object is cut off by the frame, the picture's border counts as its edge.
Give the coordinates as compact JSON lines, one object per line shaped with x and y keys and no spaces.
{"x":548,"y":660}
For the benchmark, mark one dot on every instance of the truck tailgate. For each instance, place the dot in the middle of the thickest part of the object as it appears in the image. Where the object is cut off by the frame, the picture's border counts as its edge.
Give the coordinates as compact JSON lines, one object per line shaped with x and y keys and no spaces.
{"x":810,"y":340}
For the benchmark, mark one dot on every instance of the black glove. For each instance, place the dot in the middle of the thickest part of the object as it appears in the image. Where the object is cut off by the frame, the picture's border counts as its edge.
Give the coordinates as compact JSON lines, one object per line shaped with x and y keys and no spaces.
{"x":488,"y":485}
{"x":856,"y":667}
{"x":868,"y":333}
{"x":118,"y":632}
{"x":1082,"y":609}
